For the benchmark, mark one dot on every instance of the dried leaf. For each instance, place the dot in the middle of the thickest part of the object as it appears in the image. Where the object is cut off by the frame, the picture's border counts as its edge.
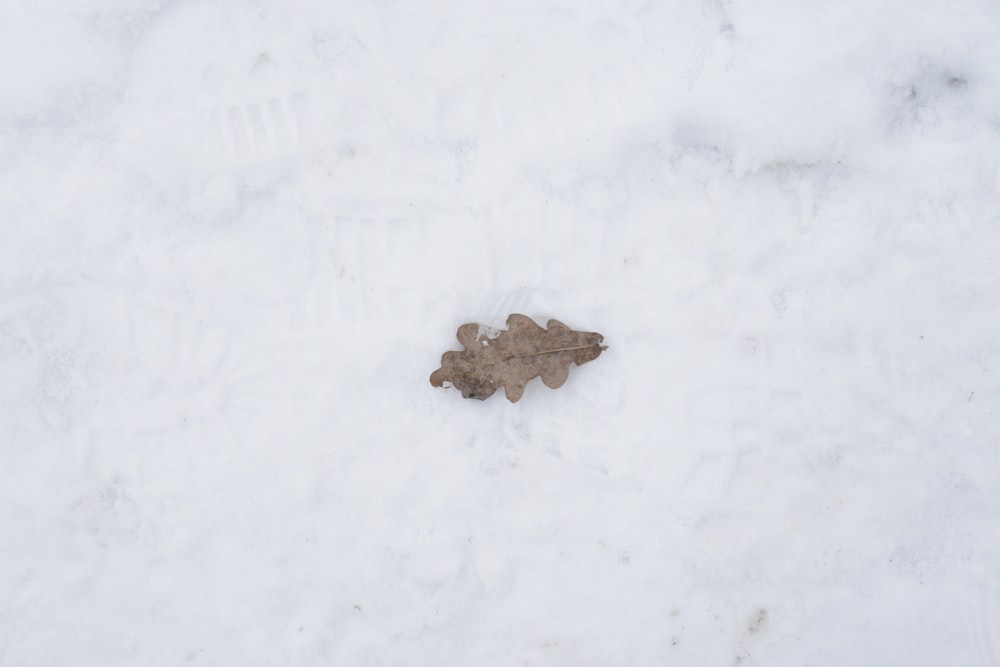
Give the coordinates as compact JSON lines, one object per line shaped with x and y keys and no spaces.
{"x":520,"y":353}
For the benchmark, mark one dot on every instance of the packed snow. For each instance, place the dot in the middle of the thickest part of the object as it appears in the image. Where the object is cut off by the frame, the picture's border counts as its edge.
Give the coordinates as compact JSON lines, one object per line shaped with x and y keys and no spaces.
{"x":236,"y":238}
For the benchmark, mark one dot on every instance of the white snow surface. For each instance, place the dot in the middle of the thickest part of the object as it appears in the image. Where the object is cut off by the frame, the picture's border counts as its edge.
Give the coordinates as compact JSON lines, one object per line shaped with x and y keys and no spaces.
{"x":236,"y":237}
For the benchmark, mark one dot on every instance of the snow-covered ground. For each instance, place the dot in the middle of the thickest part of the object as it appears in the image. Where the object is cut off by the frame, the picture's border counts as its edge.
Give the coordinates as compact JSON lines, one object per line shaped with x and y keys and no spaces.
{"x":236,"y":237}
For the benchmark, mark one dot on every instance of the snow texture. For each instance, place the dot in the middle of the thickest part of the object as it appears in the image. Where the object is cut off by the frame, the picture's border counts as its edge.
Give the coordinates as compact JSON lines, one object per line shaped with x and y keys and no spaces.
{"x":236,"y":237}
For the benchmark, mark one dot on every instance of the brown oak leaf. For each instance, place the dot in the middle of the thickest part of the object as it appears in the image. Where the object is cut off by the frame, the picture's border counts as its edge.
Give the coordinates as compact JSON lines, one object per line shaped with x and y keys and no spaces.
{"x":510,"y":360}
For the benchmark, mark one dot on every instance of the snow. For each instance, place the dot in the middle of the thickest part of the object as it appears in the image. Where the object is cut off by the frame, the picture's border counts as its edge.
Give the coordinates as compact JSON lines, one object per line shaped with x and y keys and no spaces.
{"x":237,"y":237}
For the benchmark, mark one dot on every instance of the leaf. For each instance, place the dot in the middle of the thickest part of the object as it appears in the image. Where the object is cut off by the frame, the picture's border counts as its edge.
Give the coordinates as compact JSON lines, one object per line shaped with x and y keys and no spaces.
{"x":520,"y":353}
